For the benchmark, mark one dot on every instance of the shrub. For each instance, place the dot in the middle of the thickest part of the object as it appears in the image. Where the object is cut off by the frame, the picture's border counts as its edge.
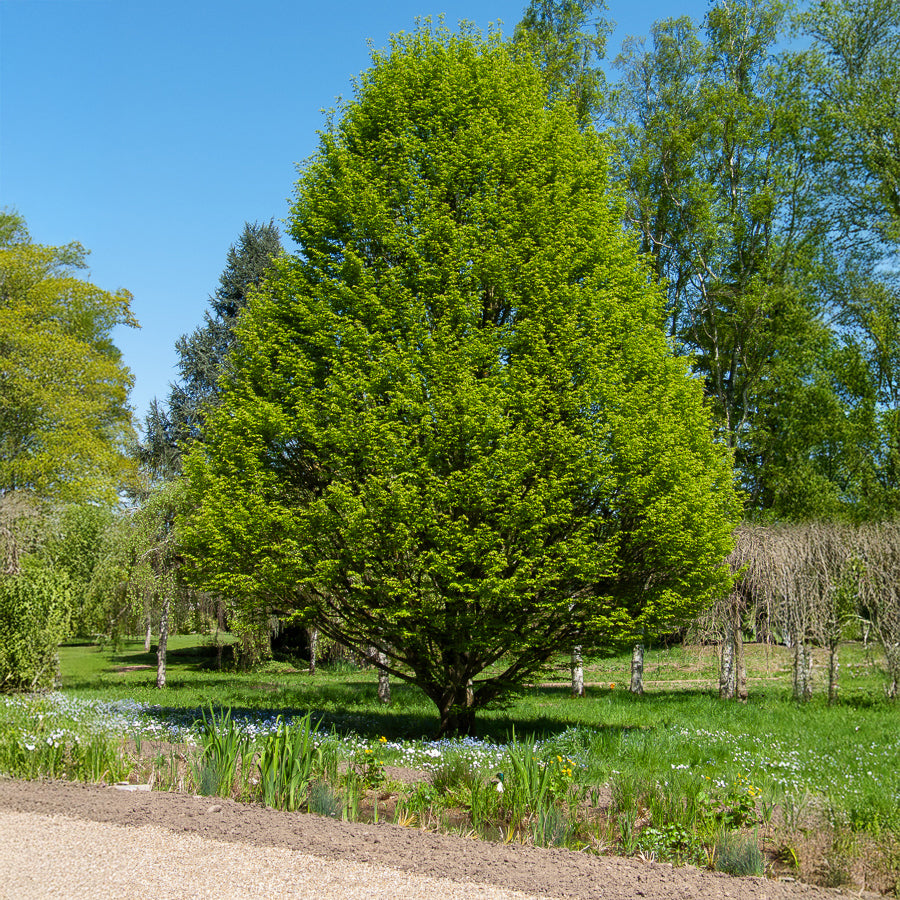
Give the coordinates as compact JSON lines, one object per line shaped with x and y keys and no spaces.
{"x":34,"y":619}
{"x":739,"y":854}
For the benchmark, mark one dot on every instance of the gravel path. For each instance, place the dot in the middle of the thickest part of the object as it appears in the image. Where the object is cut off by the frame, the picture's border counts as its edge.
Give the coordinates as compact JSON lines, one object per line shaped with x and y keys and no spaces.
{"x":64,"y":840}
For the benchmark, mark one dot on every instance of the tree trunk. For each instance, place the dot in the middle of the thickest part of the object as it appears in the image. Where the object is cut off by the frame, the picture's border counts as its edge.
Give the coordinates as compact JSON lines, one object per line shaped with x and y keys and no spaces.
{"x":727,"y":680}
{"x":163,"y":642}
{"x":577,"y":672}
{"x":832,"y":674}
{"x":457,"y":713}
{"x":740,"y":663}
{"x":220,"y":626}
{"x":313,"y":635}
{"x":892,"y":658}
{"x":148,"y":635}
{"x":384,"y":683}
{"x":802,"y":667}
{"x":637,"y":669}
{"x":733,"y":669}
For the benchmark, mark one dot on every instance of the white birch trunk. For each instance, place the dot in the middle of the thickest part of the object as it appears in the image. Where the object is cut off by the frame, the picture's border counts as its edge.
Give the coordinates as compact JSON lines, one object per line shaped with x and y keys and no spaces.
{"x":577,"y":672}
{"x":637,"y":669}
{"x":727,"y":678}
{"x":802,"y":671}
{"x":163,"y":642}
{"x":384,"y":683}
{"x":313,"y":634}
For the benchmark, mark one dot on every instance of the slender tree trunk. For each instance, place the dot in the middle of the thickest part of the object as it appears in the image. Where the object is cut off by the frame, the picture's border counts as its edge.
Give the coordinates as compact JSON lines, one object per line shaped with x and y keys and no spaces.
{"x":740,"y":663}
{"x":148,"y":635}
{"x":384,"y":683}
{"x":577,"y":672}
{"x":163,"y":642}
{"x":733,"y":669}
{"x":727,"y":679}
{"x":637,"y":669}
{"x":833,"y":666}
{"x":220,"y":627}
{"x":313,"y":635}
{"x":892,"y":657}
{"x":802,"y":674}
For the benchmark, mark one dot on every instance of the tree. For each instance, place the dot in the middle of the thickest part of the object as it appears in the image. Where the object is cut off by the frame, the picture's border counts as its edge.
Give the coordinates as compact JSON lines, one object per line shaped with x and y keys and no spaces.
{"x":454,"y":430}
{"x":64,"y":417}
{"x":555,"y":33}
{"x":716,"y":145}
{"x":73,"y":541}
{"x":853,"y":66}
{"x":137,"y":575}
{"x":203,"y":354}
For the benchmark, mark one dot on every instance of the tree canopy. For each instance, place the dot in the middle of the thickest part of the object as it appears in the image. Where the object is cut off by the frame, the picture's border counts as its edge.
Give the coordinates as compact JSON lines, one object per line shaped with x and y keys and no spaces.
{"x":454,"y":429}
{"x":64,"y":416}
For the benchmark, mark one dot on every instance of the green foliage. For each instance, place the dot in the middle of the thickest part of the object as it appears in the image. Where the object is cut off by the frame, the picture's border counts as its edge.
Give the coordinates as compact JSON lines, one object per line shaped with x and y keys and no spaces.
{"x":226,"y":752}
{"x":34,"y":619}
{"x":454,"y":429}
{"x":366,"y":768}
{"x":74,"y":544}
{"x":92,"y":758}
{"x":64,"y":416}
{"x":533,"y":784}
{"x":672,"y":843}
{"x":323,"y":801}
{"x":288,"y":763}
{"x":739,"y":854}
{"x":713,"y":143}
{"x":567,"y":39}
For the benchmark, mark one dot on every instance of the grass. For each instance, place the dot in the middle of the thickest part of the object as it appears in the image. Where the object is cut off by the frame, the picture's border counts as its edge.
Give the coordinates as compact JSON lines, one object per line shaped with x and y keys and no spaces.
{"x":675,"y":774}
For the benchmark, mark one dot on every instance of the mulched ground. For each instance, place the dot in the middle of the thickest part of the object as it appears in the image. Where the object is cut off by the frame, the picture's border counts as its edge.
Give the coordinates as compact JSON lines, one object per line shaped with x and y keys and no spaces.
{"x":557,"y":873}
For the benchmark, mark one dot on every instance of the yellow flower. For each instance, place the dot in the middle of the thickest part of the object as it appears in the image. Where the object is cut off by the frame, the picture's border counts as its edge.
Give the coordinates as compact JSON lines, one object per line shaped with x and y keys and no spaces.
{"x":383,"y":739}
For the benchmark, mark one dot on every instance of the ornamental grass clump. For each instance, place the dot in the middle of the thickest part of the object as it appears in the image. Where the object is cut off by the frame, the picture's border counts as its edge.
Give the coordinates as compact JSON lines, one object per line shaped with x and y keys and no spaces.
{"x":289,"y":761}
{"x":226,"y":752}
{"x":738,"y":854}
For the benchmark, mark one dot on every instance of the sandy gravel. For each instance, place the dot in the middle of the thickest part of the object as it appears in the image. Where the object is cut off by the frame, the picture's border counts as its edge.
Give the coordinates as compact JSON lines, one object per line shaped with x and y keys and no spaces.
{"x":65,"y":840}
{"x":57,"y":856}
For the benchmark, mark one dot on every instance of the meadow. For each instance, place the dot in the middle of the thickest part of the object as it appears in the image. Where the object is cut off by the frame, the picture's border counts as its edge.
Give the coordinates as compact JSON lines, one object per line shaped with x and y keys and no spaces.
{"x":771,"y":787}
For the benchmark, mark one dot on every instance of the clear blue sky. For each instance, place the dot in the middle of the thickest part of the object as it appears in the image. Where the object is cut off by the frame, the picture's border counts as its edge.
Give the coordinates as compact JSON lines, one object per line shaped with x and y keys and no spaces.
{"x":151,"y":130}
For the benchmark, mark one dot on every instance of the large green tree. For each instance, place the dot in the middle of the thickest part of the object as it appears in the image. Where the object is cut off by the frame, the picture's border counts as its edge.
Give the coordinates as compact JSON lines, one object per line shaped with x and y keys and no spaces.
{"x":853,"y":69}
{"x":718,"y":145}
{"x":567,"y":39}
{"x":64,"y":416}
{"x":454,"y":429}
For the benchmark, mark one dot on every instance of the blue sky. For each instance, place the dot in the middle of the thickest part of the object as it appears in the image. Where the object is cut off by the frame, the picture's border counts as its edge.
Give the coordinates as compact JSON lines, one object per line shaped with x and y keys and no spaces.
{"x":151,"y":130}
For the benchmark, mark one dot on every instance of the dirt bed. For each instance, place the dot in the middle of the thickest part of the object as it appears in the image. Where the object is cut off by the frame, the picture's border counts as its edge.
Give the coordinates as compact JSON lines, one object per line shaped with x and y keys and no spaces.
{"x":494,"y":870}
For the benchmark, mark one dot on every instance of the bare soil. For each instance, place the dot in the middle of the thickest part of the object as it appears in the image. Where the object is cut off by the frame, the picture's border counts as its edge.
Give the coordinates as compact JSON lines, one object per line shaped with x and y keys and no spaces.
{"x":553,"y":873}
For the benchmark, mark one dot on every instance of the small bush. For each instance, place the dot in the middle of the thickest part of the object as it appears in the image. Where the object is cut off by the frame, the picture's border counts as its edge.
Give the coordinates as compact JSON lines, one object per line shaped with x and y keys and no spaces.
{"x":739,"y":854}
{"x":34,"y":619}
{"x":323,"y":801}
